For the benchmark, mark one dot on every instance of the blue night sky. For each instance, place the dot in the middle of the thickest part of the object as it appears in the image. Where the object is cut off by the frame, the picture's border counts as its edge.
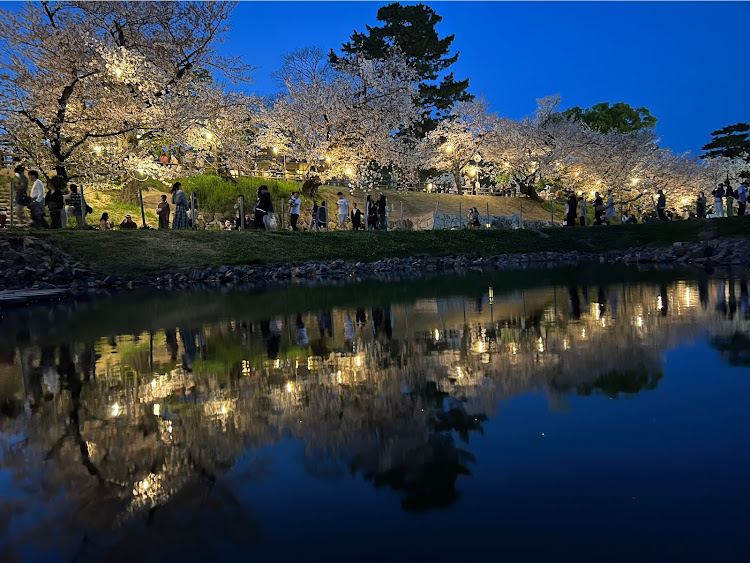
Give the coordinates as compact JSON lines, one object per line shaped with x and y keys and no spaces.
{"x":661,"y":55}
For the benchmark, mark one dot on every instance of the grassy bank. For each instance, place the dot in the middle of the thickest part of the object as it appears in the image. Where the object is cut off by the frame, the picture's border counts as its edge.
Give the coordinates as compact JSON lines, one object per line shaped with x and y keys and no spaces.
{"x":141,"y":253}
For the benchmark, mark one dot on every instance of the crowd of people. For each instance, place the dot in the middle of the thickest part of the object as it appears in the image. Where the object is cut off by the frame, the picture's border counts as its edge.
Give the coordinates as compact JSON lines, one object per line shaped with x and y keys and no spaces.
{"x":60,"y":204}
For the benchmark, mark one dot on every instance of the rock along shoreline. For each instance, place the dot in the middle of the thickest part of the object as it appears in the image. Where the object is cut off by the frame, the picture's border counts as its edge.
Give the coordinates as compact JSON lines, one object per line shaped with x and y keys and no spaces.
{"x":30,"y":263}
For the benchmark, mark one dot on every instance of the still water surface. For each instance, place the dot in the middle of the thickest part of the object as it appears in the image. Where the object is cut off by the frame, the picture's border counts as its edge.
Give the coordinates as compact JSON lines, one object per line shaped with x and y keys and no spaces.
{"x":477,"y":418}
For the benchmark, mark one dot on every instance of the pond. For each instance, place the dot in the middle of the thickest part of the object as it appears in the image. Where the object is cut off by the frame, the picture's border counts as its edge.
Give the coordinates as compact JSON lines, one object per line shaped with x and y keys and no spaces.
{"x":565,"y":415}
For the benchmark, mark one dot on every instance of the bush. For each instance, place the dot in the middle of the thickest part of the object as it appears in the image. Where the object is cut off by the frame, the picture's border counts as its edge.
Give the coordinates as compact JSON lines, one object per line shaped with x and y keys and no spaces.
{"x":216,"y":195}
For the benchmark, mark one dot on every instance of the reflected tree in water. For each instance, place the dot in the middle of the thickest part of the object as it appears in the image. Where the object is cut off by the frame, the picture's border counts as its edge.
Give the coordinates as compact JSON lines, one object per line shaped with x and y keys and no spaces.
{"x":629,"y":382}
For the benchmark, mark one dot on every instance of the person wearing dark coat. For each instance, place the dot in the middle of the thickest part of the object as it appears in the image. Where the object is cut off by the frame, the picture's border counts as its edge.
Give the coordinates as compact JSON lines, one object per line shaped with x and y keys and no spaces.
{"x":381,"y":211}
{"x":54,"y":202}
{"x":263,"y":208}
{"x":598,"y":208}
{"x":572,"y":208}
{"x":700,"y":206}
{"x":356,"y":218}
{"x":661,"y":206}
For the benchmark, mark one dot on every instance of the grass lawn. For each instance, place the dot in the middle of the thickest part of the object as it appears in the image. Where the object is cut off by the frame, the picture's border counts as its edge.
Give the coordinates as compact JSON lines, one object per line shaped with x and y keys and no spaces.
{"x":137,"y":253}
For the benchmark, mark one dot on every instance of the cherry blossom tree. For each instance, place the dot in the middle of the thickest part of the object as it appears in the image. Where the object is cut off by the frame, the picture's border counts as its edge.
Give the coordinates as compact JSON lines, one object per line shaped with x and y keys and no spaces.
{"x":87,"y":87}
{"x":342,"y":122}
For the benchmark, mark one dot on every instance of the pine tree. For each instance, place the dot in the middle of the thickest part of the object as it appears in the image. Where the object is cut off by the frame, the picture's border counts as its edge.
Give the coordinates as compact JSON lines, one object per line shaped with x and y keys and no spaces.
{"x":412,"y":30}
{"x":732,"y":141}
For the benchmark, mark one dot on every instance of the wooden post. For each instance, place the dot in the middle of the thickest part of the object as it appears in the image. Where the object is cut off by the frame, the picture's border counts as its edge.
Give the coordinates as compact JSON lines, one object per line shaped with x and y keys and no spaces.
{"x":193,"y":213}
{"x":83,"y":207}
{"x":12,"y":204}
{"x":460,"y":217}
{"x":488,"y":215}
{"x":434,"y":215}
{"x":283,"y":225}
{"x":143,"y":211}
{"x":402,"y":214}
{"x":243,"y":226}
{"x":520,"y":214}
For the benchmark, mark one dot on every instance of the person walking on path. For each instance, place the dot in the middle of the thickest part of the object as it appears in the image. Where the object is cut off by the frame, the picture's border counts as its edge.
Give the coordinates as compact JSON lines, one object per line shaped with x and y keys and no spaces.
{"x":263,"y":209}
{"x":323,"y":215}
{"x":598,"y":208}
{"x":729,"y":195}
{"x":20,"y":190}
{"x":382,"y":204}
{"x":294,"y":203}
{"x":718,"y":194}
{"x":314,"y":217}
{"x":610,"y":206}
{"x":583,"y":212}
{"x":700,"y":206}
{"x":742,"y":198}
{"x":180,"y":201}
{"x":163,"y":210}
{"x":661,"y":206}
{"x":76,"y":203}
{"x":356,"y":218}
{"x":572,"y":209}
{"x":343,"y":209}
{"x":54,"y":201}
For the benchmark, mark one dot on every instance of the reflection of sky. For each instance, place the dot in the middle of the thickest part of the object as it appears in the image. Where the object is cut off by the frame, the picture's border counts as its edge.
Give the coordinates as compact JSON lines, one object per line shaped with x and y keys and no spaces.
{"x":551,"y":463}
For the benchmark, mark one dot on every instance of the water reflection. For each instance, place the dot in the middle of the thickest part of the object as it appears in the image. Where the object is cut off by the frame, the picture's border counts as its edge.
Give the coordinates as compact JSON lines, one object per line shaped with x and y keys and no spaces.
{"x":392,"y":393}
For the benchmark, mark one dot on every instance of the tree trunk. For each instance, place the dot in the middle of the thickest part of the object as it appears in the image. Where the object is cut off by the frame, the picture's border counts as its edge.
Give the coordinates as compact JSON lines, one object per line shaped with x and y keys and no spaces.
{"x":457,"y":177}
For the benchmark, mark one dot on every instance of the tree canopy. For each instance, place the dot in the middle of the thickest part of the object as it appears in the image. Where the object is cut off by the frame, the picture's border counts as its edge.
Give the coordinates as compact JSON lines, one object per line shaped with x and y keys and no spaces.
{"x":618,"y":118}
{"x":732,"y":141}
{"x":411,"y":29}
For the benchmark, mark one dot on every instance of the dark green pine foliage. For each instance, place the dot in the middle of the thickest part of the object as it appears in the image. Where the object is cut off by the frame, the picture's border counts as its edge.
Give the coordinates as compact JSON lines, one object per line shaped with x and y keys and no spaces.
{"x":731,"y":141}
{"x":412,"y":29}
{"x":619,"y":117}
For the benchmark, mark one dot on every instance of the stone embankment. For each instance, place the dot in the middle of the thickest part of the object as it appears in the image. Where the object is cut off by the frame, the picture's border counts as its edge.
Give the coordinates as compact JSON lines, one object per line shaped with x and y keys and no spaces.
{"x":27,"y":262}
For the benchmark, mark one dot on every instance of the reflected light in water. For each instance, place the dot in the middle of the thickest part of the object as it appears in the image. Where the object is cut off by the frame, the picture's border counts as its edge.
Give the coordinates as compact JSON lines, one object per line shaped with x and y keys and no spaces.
{"x":115,"y":410}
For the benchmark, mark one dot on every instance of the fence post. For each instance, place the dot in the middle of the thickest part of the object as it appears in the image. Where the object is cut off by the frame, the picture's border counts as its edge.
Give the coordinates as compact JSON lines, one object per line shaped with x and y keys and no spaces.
{"x":402,"y":214}
{"x":434,"y":215}
{"x":143,"y":211}
{"x":520,"y":213}
{"x":243,"y":225}
{"x":488,"y":215}
{"x":83,"y":208}
{"x":460,"y":217}
{"x":12,"y":204}
{"x":283,"y":216}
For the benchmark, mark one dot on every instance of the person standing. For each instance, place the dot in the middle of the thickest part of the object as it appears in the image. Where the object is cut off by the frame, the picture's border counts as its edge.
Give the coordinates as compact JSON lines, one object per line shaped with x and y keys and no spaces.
{"x":163,"y":210}
{"x":729,"y":196}
{"x":265,"y":206}
{"x":77,"y":204}
{"x":718,"y":194}
{"x":610,"y":206}
{"x":700,"y":206}
{"x":382,"y":204}
{"x":742,"y":198}
{"x":343,"y":209}
{"x":20,"y":190}
{"x":356,"y":218}
{"x":598,"y":208}
{"x":54,"y":201}
{"x":37,"y":188}
{"x":323,"y":215}
{"x":294,"y":203}
{"x":583,"y":211}
{"x":180,"y":201}
{"x":572,"y":209}
{"x":314,"y":217}
{"x":661,"y":206}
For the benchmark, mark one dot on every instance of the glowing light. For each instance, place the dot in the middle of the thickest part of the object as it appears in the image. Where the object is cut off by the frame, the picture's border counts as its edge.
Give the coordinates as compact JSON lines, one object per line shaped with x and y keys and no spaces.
{"x":687,"y":296}
{"x":153,"y":384}
{"x":685,"y":200}
{"x":157,"y":409}
{"x":348,"y":170}
{"x":275,"y":150}
{"x":513,"y":348}
{"x":659,"y":302}
{"x":140,"y":171}
{"x":473,"y":172}
{"x":583,"y":333}
{"x":359,"y":362}
{"x":459,"y":371}
{"x":144,"y":484}
{"x":598,"y":182}
{"x":437,"y":334}
{"x":541,"y":344}
{"x":97,"y":149}
{"x":578,"y":173}
{"x":118,"y":72}
{"x":288,"y":387}
{"x":208,"y":136}
{"x":328,"y":159}
{"x":507,"y":164}
{"x":604,"y":323}
{"x":492,"y":295}
{"x":449,"y":148}
{"x":277,"y":363}
{"x":634,"y":181}
{"x":115,"y":409}
{"x":640,"y":321}
{"x":223,"y":409}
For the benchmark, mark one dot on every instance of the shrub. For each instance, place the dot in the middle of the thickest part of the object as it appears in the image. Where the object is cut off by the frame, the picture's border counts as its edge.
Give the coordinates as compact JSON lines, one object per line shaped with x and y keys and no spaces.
{"x":216,"y":195}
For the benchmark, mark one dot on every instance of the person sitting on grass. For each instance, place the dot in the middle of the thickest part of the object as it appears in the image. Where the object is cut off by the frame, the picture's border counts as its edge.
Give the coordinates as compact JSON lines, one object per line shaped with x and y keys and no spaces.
{"x":105,"y":224}
{"x":128,"y":223}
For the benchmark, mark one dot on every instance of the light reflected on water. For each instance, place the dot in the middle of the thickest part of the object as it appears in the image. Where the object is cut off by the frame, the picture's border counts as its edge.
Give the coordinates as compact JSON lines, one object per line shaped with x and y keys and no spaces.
{"x":385,"y":391}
